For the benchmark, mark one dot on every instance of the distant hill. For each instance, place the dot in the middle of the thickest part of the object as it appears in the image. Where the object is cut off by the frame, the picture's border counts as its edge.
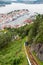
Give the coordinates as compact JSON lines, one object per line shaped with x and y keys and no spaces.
{"x":3,"y":3}
{"x":21,"y":1}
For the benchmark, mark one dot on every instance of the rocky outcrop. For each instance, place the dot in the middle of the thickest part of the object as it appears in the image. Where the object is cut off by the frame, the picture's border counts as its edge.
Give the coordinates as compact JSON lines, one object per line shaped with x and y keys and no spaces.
{"x":40,"y":54}
{"x":38,"y":48}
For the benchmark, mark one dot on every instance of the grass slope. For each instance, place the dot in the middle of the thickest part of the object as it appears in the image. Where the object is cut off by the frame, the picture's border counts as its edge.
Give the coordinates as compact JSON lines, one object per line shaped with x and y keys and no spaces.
{"x":13,"y":52}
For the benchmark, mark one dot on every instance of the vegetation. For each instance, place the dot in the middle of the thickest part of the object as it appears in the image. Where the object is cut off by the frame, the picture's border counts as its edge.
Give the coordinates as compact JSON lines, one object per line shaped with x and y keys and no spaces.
{"x":36,"y":31}
{"x":13,"y":53}
{"x":12,"y":49}
{"x":35,"y":38}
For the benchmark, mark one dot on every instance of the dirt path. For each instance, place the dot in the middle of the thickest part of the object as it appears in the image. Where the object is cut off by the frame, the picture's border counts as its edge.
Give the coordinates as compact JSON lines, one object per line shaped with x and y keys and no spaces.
{"x":30,"y":56}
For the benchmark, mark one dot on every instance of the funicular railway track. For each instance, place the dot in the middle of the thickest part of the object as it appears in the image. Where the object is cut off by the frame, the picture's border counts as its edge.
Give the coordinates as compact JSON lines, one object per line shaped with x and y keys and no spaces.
{"x":30,"y":56}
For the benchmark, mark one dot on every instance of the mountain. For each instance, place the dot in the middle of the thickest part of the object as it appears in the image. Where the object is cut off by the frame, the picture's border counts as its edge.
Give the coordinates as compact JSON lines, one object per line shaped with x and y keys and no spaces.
{"x":4,"y":2}
{"x":21,"y":1}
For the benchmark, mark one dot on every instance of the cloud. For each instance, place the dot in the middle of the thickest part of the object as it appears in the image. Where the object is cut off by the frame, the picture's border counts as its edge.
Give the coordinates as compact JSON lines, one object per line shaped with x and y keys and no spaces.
{"x":28,"y":0}
{"x":13,"y":0}
{"x":18,"y":0}
{"x":8,"y":0}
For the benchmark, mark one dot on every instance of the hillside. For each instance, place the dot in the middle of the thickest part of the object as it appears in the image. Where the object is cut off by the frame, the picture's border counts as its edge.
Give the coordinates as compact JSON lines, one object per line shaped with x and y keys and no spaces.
{"x":12,"y":43}
{"x":13,"y":53}
{"x":36,"y":36}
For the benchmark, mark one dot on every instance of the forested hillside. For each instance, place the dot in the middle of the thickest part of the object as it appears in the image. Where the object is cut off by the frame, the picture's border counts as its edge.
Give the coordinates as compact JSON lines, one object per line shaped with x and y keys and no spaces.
{"x":35,"y":36}
{"x":11,"y":37}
